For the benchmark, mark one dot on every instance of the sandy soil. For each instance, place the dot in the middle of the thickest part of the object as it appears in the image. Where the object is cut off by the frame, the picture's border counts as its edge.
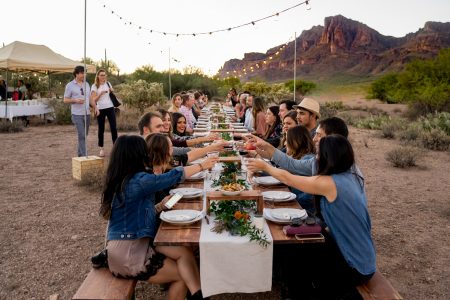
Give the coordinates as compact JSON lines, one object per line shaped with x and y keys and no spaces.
{"x":50,"y":226}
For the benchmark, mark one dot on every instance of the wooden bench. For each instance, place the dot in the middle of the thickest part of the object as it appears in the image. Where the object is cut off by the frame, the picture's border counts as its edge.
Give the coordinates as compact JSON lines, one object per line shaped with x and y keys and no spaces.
{"x":378,"y":288}
{"x":101,"y":284}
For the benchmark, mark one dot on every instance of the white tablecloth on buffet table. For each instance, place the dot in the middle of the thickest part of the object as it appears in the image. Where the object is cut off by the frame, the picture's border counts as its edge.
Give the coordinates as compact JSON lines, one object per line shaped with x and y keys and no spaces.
{"x":23,"y":110}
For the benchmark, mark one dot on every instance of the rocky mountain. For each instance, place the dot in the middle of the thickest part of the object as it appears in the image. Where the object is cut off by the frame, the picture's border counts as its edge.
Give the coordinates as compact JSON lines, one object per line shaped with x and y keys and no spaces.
{"x":341,"y":47}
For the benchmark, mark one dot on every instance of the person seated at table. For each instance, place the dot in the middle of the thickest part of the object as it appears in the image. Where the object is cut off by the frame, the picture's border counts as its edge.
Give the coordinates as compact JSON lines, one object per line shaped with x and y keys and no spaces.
{"x":347,"y":258}
{"x":178,"y":132}
{"x":21,"y":89}
{"x":186,"y":110}
{"x":152,"y":122}
{"x":161,"y":160}
{"x":240,"y":108}
{"x":259,"y":117}
{"x":305,"y":167}
{"x":185,"y":140}
{"x":289,"y":121}
{"x":273,"y":125}
{"x":176,"y":103}
{"x":285,"y":107}
{"x":128,"y":202}
{"x":299,"y":145}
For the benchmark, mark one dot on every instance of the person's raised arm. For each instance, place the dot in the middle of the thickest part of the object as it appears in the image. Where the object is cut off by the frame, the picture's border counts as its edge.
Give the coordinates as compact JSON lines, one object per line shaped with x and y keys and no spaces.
{"x":200,"y":152}
{"x":205,"y":165}
{"x":316,"y":185}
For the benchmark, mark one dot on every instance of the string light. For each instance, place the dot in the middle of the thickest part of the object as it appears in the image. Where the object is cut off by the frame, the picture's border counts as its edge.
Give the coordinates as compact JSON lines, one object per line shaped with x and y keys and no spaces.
{"x":237,"y":73}
{"x":277,"y":14}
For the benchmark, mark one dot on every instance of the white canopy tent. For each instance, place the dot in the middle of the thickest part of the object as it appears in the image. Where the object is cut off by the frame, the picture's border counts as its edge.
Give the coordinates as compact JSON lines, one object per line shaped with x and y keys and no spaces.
{"x":20,"y":56}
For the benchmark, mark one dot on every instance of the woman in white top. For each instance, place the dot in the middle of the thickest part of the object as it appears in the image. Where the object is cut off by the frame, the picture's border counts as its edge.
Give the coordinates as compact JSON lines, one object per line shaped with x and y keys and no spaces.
{"x":103,"y":107}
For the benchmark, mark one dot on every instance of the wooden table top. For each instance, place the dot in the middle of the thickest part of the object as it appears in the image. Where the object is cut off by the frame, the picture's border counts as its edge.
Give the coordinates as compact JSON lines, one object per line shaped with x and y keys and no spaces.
{"x":171,"y":235}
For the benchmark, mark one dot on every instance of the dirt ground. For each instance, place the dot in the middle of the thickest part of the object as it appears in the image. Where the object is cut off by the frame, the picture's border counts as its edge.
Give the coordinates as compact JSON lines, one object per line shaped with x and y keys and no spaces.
{"x":50,"y":226}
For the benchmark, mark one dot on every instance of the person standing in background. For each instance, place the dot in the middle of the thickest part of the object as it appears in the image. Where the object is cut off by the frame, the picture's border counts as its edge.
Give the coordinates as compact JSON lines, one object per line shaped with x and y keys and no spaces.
{"x":21,"y":88}
{"x":3,"y":90}
{"x":77,"y":95}
{"x":103,"y":107}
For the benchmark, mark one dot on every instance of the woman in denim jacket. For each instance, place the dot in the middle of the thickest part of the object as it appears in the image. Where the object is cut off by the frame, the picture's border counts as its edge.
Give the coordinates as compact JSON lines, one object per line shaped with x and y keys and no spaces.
{"x":128,"y":201}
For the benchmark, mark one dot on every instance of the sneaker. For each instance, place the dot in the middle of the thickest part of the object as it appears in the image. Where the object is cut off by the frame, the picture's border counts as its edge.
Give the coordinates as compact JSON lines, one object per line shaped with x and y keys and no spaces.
{"x":102,"y":153}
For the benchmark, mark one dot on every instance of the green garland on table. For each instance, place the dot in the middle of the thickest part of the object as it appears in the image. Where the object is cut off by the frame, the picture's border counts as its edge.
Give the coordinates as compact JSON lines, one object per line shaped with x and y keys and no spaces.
{"x":233,"y":217}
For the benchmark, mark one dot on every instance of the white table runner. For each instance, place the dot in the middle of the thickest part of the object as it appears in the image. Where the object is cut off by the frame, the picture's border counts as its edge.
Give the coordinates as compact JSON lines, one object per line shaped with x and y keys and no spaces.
{"x":233,"y":264}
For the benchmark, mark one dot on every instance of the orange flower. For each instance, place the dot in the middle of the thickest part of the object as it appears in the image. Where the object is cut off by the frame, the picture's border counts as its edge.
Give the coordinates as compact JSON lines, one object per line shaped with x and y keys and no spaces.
{"x":237,"y":215}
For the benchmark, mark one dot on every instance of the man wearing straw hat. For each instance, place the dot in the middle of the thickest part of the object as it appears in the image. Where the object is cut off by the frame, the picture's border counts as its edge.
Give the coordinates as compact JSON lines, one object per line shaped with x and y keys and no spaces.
{"x":308,"y":113}
{"x":75,"y":94}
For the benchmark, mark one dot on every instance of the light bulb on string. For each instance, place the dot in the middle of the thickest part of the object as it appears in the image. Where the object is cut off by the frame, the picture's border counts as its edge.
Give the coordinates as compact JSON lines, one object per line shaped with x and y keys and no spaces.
{"x":308,"y":6}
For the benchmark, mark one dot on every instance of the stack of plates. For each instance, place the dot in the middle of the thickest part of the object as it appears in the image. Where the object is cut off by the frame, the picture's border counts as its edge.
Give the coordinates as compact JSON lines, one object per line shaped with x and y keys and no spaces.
{"x":278,"y":196}
{"x":181,"y":216}
{"x":188,"y":192}
{"x":284,"y":215}
{"x":266,"y":180}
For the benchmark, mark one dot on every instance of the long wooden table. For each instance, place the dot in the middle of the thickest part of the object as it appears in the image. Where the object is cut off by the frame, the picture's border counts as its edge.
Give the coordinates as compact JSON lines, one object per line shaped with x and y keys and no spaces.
{"x":189,"y":235}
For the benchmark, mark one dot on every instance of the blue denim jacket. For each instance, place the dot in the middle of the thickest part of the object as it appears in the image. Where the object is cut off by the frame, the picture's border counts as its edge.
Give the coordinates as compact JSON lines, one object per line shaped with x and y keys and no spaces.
{"x":133,"y":214}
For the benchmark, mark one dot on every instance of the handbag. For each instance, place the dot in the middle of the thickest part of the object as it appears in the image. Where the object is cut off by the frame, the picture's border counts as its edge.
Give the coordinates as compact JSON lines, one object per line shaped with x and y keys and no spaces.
{"x":113,"y":98}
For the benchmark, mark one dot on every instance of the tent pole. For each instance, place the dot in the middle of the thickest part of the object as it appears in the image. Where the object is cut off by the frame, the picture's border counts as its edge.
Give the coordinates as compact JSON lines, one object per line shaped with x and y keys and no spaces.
{"x":84,"y":84}
{"x":6,"y":100}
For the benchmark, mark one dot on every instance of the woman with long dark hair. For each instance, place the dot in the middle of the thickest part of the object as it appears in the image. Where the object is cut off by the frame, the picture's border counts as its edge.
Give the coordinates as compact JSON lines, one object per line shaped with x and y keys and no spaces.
{"x":273,"y":125}
{"x":259,"y":116}
{"x":299,"y":145}
{"x":289,"y":121}
{"x":128,"y":202}
{"x":348,"y":257}
{"x":103,"y":107}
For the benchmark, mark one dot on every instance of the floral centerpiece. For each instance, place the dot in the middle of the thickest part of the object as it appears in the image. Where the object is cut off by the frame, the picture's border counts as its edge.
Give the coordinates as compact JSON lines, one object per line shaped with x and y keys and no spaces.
{"x":234,"y":217}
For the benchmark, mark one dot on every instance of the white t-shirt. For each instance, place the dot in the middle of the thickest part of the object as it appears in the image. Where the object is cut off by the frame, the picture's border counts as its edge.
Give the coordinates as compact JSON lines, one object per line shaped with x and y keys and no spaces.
{"x":104,"y":101}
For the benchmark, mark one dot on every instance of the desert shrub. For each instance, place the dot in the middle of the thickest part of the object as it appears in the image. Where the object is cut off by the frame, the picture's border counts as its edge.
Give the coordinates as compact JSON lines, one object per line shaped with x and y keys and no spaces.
{"x":126,"y":121}
{"x":11,"y":127}
{"x":436,"y":121}
{"x":348,"y":118}
{"x":435,"y":139}
{"x":403,"y":157}
{"x":423,"y":81}
{"x":141,"y":94}
{"x":373,"y":122}
{"x":302,"y":87}
{"x":61,"y":111}
{"x":390,"y":129}
{"x":411,"y":133}
{"x":330,"y":109}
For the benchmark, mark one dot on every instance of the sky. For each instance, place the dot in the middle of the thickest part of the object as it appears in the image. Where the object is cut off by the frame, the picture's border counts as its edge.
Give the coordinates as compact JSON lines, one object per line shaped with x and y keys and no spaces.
{"x":59,"y":24}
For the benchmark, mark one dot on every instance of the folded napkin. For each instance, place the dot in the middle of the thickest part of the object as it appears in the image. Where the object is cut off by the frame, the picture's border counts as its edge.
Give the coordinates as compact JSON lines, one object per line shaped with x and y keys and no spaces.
{"x":233,"y":264}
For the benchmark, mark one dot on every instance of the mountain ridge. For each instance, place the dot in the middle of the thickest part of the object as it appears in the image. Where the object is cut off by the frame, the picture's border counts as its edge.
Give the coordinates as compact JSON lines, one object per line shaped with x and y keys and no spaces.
{"x":340,"y":46}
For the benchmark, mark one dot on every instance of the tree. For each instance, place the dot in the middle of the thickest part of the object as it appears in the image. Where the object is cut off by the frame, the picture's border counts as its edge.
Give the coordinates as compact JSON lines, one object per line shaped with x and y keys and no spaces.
{"x":302,"y":87}
{"x":141,"y":94}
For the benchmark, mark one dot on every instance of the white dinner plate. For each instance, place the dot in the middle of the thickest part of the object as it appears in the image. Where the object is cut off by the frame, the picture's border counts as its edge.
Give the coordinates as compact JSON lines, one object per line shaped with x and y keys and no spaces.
{"x":187,"y":192}
{"x":278,"y":196}
{"x":287,"y":214}
{"x":267,"y":214}
{"x":181,"y":216}
{"x":202,"y":133}
{"x":240,"y":130}
{"x":266,"y":180}
{"x":197,"y":176}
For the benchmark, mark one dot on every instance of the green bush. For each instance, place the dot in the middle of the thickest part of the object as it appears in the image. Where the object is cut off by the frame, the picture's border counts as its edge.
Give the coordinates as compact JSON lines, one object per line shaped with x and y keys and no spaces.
{"x":61,"y":111}
{"x":373,"y":122}
{"x":425,"y":82}
{"x":411,"y":133}
{"x":436,"y":121}
{"x":435,"y":139}
{"x":141,"y":94}
{"x":390,"y":129}
{"x":127,"y":121}
{"x":302,"y":87}
{"x":403,"y":157}
{"x":11,"y":127}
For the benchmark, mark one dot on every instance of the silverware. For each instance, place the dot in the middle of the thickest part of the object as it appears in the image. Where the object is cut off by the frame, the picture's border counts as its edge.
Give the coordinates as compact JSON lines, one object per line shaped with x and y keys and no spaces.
{"x":207,"y":219}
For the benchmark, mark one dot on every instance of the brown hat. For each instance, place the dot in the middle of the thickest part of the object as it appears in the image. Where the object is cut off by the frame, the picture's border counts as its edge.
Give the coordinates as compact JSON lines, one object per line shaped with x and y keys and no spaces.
{"x":310,"y":105}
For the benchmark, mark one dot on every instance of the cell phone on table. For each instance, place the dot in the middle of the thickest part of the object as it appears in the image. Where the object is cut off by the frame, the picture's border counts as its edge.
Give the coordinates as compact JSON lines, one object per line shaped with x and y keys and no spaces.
{"x":173,"y":200}
{"x":309,"y":237}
